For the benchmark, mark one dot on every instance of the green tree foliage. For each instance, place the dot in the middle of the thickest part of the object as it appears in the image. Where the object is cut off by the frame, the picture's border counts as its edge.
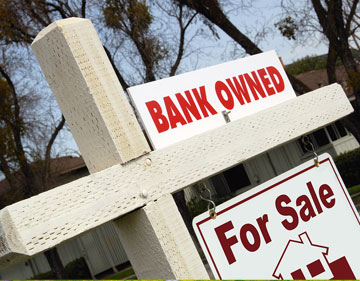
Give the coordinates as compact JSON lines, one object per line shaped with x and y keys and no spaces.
{"x":21,"y":20}
{"x":160,"y":45}
{"x":133,"y":18}
{"x":307,"y":64}
{"x":287,"y":27}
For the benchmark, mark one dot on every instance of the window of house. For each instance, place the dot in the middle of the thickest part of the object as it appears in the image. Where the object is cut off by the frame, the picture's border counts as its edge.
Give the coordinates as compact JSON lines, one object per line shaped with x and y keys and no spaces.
{"x":237,"y":178}
{"x":321,"y":137}
{"x":340,"y":129}
{"x":231,"y":180}
{"x":325,"y":136}
{"x":332,"y":133}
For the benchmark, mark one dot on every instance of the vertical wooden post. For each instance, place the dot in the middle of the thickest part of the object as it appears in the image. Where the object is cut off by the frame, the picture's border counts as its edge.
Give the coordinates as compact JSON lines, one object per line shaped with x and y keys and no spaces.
{"x":107,"y":133}
{"x":166,"y":251}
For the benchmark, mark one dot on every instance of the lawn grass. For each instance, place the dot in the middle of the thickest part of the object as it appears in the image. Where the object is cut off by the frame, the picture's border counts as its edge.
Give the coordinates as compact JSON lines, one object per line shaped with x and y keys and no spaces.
{"x":354,"y":189}
{"x":121,"y":275}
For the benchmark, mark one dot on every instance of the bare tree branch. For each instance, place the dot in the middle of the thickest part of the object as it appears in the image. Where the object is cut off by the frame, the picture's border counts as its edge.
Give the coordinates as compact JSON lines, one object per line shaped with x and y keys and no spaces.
{"x":322,"y":16}
{"x":16,"y":128}
{"x":13,"y":92}
{"x":119,"y":76}
{"x":34,"y":14}
{"x":331,"y":64}
{"x":46,"y":171}
{"x":4,"y":167}
{"x":183,"y":28}
{"x":351,"y":15}
{"x":83,"y":8}
{"x":212,"y":11}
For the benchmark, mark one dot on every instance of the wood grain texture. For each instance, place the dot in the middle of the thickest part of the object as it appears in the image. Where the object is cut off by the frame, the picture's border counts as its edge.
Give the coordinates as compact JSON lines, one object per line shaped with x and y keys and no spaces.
{"x":167,"y":250}
{"x":89,"y":94}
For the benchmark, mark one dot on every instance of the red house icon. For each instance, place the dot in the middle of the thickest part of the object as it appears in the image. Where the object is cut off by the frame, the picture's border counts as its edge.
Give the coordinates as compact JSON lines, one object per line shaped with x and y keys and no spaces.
{"x":304,"y":260}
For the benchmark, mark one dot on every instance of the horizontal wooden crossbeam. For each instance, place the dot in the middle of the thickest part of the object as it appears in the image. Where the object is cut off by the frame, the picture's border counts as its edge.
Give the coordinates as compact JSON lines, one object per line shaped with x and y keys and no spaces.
{"x":43,"y":221}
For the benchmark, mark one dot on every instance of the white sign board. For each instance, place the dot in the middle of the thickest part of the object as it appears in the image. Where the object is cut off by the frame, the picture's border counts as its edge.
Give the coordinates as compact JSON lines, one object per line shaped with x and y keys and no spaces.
{"x":179,"y":107}
{"x":299,"y":225}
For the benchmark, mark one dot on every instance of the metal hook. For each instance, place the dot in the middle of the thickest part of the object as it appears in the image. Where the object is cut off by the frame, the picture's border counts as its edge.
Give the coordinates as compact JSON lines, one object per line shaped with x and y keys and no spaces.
{"x":306,"y":141}
{"x":212,"y":211}
{"x":226,"y":116}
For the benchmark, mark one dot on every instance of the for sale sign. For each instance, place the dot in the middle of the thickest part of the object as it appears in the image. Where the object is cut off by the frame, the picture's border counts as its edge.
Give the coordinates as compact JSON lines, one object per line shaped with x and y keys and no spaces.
{"x":299,"y":225}
{"x":179,"y":107}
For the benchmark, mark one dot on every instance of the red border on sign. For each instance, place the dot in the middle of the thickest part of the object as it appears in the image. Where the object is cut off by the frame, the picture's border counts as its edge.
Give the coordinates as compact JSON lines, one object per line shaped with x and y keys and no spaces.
{"x":263,"y":191}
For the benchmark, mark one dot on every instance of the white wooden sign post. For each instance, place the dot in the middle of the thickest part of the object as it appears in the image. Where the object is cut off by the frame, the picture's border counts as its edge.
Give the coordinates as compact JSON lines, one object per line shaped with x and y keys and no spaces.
{"x":129,"y":184}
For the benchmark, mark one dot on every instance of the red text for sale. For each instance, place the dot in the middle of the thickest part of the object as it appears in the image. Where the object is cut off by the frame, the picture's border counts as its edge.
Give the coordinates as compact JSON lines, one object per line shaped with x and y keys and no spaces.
{"x":293,"y":210}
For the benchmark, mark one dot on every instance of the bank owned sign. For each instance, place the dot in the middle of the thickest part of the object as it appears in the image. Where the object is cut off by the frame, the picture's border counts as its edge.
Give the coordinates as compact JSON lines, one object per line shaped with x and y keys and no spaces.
{"x":299,"y":225}
{"x":179,"y":107}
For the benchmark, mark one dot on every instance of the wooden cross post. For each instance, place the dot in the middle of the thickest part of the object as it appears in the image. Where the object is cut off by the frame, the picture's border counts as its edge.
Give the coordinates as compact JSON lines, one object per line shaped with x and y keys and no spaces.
{"x":129,"y":184}
{"x":107,"y":133}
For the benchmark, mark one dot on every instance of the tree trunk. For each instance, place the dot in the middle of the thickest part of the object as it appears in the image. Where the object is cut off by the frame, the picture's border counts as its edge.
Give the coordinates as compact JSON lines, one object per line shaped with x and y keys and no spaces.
{"x":350,"y":66}
{"x":117,"y":72}
{"x":342,"y":43}
{"x":55,"y":263}
{"x":336,"y":31}
{"x":212,"y":11}
{"x":331,"y":64}
{"x":46,"y":169}
{"x":351,"y":122}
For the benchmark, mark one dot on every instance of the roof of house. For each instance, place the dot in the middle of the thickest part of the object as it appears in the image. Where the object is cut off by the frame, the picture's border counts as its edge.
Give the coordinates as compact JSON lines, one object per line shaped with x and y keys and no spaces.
{"x":58,"y":167}
{"x":66,"y":164}
{"x":318,"y":78}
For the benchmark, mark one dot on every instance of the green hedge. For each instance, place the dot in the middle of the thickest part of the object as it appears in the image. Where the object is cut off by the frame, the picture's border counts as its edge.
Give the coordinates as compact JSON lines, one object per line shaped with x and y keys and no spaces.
{"x":77,"y":269}
{"x":348,"y":165}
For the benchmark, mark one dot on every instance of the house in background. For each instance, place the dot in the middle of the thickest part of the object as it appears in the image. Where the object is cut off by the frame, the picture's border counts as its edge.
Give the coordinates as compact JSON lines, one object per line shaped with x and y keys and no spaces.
{"x":318,"y":78}
{"x":334,"y":139}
